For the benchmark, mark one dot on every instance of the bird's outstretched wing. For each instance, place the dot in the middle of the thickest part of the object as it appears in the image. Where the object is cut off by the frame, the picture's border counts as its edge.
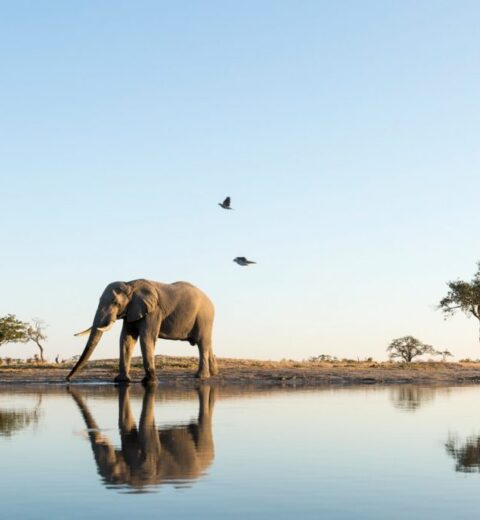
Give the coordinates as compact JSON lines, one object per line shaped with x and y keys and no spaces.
{"x":227,"y":201}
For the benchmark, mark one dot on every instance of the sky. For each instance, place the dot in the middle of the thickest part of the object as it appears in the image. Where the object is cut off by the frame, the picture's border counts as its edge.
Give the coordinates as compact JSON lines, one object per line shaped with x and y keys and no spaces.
{"x":346,"y":134}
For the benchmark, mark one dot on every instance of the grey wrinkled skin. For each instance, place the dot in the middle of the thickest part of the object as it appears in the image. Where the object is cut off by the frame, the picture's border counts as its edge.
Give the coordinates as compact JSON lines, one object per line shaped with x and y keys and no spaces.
{"x":151,"y":310}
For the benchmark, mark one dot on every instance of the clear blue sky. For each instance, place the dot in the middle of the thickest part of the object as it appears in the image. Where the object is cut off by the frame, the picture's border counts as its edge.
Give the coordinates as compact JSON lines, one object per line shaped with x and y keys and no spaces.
{"x":346,"y":134}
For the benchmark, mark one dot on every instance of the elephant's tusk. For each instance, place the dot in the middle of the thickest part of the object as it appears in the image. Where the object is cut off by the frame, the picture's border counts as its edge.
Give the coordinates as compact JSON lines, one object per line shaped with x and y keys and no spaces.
{"x":84,"y":332}
{"x":107,"y":327}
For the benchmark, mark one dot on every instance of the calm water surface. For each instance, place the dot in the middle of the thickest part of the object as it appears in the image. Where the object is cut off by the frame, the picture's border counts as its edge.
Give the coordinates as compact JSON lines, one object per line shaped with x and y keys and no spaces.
{"x":370,"y":452}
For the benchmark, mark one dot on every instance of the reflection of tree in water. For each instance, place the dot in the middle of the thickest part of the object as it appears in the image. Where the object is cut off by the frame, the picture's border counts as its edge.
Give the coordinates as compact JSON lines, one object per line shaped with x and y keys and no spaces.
{"x":149,"y":455}
{"x":410,"y":398}
{"x":466,"y":455}
{"x":12,"y":421}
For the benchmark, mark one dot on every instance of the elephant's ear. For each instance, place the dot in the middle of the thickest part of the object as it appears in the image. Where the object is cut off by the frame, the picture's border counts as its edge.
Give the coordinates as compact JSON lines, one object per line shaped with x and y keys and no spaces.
{"x":144,"y":300}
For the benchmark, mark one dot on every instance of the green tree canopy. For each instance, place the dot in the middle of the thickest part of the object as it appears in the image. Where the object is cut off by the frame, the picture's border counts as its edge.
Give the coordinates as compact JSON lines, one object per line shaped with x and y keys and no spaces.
{"x":408,"y":348}
{"x":463,"y":296}
{"x":13,"y":330}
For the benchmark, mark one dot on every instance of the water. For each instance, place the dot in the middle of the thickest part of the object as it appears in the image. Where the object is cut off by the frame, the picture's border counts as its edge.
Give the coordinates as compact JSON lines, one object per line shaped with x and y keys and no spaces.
{"x":370,"y":452}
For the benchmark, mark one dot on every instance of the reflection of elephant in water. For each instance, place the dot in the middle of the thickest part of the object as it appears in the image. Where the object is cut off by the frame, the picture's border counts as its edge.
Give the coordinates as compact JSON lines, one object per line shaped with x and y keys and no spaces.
{"x":152,"y":310}
{"x":149,"y":455}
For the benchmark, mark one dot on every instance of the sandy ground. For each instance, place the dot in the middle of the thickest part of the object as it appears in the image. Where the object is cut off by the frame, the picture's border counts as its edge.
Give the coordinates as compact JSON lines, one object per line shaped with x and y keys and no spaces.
{"x":179,"y":372}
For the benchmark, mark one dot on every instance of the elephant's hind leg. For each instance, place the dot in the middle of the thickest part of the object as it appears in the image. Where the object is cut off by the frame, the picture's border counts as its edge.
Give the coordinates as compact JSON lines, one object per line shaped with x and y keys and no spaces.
{"x":212,"y":363}
{"x":206,"y":367}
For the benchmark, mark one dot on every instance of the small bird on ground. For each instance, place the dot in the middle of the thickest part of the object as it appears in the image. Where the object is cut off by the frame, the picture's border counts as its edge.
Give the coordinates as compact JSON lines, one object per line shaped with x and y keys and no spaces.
{"x":225,"y":204}
{"x":241,"y":260}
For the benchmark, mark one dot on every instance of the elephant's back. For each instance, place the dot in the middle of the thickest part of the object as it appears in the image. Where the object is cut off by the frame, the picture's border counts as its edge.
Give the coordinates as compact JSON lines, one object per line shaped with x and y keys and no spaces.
{"x":184,"y":305}
{"x":187,"y":289}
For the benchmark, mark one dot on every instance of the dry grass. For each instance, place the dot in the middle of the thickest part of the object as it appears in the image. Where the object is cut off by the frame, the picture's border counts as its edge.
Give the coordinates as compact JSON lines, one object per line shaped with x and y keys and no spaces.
{"x":191,"y":362}
{"x":287,"y":372}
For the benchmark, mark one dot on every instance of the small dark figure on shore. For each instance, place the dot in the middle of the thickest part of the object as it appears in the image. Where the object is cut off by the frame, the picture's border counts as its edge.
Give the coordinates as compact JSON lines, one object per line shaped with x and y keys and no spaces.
{"x":57,"y":359}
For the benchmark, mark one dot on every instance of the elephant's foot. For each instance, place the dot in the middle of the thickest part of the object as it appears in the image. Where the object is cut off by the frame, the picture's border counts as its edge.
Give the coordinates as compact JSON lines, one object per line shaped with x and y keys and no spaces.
{"x":202,"y":374}
{"x":122,"y":379}
{"x":149,"y":380}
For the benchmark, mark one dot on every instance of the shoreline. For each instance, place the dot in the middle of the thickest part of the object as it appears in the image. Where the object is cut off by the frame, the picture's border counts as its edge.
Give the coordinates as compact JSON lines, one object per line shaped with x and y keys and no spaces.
{"x":179,"y":372}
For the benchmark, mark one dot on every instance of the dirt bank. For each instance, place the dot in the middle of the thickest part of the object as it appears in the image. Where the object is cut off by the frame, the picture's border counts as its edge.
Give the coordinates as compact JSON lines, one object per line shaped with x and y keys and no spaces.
{"x":179,"y":371}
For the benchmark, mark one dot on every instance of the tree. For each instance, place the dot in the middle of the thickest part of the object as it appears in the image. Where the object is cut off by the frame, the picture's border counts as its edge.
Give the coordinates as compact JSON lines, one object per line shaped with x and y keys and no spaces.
{"x":408,"y":348}
{"x":410,"y":398}
{"x":463,"y":296}
{"x":12,"y":330}
{"x":466,"y":455}
{"x":322,"y":357}
{"x":12,"y":421}
{"x":36,"y":333}
{"x":444,"y":354}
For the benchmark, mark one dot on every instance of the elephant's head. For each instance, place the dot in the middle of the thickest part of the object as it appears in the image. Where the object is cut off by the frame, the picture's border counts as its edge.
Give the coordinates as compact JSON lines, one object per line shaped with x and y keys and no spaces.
{"x":129,"y":300}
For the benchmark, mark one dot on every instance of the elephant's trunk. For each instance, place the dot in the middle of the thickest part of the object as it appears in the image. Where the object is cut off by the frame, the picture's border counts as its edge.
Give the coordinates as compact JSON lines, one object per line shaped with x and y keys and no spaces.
{"x":92,"y":342}
{"x":104,"y":320}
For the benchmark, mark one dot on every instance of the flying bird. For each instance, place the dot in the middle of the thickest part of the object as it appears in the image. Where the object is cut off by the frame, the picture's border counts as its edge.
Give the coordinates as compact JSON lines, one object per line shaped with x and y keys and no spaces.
{"x":241,"y":260}
{"x":225,"y":204}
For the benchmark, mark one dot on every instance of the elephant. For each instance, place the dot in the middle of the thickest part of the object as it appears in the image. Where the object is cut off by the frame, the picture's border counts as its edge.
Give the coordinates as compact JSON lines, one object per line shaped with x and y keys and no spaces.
{"x":151,"y":310}
{"x":149,"y":456}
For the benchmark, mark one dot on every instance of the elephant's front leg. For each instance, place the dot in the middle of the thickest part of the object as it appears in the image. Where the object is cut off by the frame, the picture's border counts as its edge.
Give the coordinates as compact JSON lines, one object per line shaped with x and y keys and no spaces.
{"x":126,"y":422}
{"x":128,"y":338}
{"x":148,"y":338}
{"x":148,"y":434}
